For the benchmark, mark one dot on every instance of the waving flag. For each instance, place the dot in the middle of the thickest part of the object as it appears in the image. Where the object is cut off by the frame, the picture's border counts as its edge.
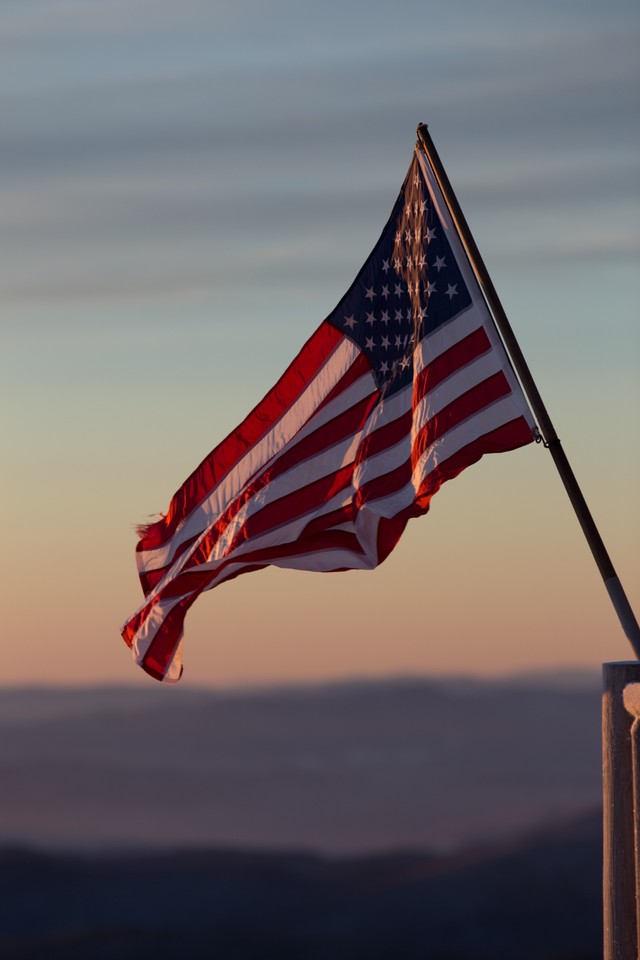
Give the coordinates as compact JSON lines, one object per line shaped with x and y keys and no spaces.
{"x":404,"y":385}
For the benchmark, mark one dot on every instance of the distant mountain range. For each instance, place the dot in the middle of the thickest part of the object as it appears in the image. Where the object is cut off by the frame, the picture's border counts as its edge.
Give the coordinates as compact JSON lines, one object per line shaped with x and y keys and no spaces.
{"x":538,"y":899}
{"x":352,"y":768}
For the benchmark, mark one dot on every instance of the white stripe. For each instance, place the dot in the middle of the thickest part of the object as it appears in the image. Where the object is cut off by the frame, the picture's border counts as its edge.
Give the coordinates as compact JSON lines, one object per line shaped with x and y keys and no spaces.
{"x":319,"y":561}
{"x":449,"y":334}
{"x":150,"y":626}
{"x":257,"y":457}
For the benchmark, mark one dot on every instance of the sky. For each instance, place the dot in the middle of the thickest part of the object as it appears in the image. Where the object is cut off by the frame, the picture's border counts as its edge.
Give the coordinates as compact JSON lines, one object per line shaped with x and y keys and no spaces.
{"x":186,"y":191}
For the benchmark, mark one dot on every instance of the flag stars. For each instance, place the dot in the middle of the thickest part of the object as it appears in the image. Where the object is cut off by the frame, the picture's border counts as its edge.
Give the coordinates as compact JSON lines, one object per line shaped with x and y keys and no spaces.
{"x":439,"y":264}
{"x":385,"y":268}
{"x":398,"y":290}
{"x":431,"y":288}
{"x":385,"y":317}
{"x":399,"y":316}
{"x":369,"y":294}
{"x":452,"y":291}
{"x":398,"y":342}
{"x":385,"y":342}
{"x":370,"y":344}
{"x":370,"y":319}
{"x":385,"y":289}
{"x":350,"y":322}
{"x":431,"y":234}
{"x":384,"y":367}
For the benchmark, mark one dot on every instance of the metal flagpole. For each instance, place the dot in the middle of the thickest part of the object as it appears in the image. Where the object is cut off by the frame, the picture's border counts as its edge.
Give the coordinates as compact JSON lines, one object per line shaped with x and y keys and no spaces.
{"x":612,"y":583}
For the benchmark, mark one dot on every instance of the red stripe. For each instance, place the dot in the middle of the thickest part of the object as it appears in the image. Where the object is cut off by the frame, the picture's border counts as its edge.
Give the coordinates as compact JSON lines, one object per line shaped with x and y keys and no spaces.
{"x":449,"y":362}
{"x":462,"y":408}
{"x":333,"y":519}
{"x":386,"y":436}
{"x":509,"y":436}
{"x":262,"y":418}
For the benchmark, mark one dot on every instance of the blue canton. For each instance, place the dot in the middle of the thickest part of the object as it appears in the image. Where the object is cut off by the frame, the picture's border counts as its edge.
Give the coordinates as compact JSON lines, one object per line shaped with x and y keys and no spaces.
{"x":409,"y":286}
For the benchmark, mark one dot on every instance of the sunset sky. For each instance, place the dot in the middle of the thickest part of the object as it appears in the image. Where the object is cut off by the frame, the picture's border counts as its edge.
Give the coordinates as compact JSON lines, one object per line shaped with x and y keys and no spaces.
{"x":186,"y":190}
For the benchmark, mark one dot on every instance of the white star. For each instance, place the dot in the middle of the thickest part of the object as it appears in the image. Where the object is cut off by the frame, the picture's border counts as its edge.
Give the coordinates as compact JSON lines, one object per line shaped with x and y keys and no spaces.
{"x":431,"y":288}
{"x":385,"y":289}
{"x":408,"y":235}
{"x":398,"y":236}
{"x":369,"y":294}
{"x":398,"y":290}
{"x":409,"y":263}
{"x":369,"y":344}
{"x":397,"y":263}
{"x":398,"y":341}
{"x":431,"y":234}
{"x":385,"y":266}
{"x":370,"y":319}
{"x":439,"y":264}
{"x":452,"y":291}
{"x":399,"y":315}
{"x":416,"y":180}
{"x":384,"y":367}
{"x":422,"y":262}
{"x":384,"y":342}
{"x":384,"y":318}
{"x":405,"y":362}
{"x":423,"y":206}
{"x":350,"y":322}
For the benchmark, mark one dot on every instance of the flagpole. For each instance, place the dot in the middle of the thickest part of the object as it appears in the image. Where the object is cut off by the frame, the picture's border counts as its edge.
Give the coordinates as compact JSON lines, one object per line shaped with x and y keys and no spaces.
{"x":615,"y":589}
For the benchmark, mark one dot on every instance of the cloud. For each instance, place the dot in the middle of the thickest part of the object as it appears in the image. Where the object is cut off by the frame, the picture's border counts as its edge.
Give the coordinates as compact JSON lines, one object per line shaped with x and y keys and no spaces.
{"x":141,"y":159}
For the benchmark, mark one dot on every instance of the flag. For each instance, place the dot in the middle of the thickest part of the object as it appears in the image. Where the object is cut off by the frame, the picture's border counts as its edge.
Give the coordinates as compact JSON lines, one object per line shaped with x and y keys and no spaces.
{"x":403,"y":385}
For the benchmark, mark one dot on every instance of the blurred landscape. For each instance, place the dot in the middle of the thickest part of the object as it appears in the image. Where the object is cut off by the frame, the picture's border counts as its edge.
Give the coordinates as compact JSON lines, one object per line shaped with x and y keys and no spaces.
{"x":418,"y":818}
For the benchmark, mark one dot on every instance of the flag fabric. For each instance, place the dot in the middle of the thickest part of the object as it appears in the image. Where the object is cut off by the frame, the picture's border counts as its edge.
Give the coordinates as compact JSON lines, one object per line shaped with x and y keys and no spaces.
{"x":404,"y":385}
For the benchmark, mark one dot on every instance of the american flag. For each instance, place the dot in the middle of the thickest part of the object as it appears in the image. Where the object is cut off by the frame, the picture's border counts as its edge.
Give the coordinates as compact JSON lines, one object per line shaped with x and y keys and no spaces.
{"x":404,"y":385}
